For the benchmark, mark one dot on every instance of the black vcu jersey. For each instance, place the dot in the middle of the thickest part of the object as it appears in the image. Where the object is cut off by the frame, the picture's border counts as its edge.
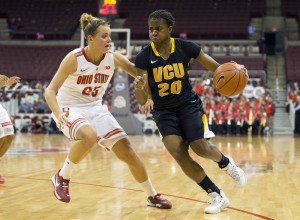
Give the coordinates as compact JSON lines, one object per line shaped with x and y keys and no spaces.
{"x":177,"y":108}
{"x":169,"y":79}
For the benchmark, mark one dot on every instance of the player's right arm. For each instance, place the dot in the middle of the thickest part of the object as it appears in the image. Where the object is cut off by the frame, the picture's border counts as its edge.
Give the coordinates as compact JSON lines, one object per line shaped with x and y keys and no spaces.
{"x":140,"y":85}
{"x":207,"y":61}
{"x":141,"y":81}
{"x":67,"y":66}
{"x":143,"y":92}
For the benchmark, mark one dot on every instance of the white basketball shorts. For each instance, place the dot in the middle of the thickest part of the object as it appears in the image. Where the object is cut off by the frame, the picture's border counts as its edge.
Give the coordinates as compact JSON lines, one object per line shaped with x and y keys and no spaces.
{"x":6,"y":127}
{"x":97,"y":115}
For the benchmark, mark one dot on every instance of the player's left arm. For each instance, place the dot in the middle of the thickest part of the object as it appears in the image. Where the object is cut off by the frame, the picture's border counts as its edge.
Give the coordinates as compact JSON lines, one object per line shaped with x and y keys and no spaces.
{"x":123,"y":63}
{"x":5,"y":81}
{"x":207,"y":61}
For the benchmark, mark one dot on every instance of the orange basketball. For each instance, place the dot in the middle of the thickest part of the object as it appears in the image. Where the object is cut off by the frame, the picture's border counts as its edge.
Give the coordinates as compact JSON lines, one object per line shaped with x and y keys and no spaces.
{"x":230,"y":79}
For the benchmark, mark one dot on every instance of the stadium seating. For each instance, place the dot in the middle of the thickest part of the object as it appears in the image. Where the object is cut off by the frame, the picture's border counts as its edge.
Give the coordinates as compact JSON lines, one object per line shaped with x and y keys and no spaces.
{"x":293,"y":64}
{"x":290,"y":8}
{"x":55,"y":19}
{"x":198,"y":19}
{"x":32,"y":62}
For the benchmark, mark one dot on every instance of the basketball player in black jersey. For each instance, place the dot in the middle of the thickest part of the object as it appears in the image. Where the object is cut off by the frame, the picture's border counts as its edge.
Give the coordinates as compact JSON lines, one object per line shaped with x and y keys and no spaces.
{"x":176,"y":108}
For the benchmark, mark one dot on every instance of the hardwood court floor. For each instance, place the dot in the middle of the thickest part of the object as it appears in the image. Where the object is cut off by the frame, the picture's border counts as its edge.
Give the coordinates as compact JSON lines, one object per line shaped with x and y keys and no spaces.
{"x":103,"y":188}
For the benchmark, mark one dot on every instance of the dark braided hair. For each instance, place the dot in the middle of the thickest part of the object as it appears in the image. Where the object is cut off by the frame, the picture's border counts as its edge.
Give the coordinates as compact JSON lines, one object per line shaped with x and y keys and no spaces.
{"x":163,"y":14}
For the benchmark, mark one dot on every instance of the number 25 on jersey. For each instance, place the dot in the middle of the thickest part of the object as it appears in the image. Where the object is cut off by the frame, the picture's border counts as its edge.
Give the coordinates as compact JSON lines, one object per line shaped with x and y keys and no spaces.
{"x":90,"y":91}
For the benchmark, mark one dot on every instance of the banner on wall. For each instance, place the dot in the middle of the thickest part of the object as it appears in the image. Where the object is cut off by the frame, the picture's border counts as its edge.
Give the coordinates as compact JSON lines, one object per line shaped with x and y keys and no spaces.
{"x":253,"y":92}
{"x":258,"y":91}
{"x":248,"y":91}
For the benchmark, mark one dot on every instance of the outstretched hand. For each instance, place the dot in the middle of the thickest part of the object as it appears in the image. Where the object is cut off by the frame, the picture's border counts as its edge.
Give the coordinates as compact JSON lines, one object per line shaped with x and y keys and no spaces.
{"x":140,"y":82}
{"x":12,"y":80}
{"x":146,"y":109}
{"x":5,"y":81}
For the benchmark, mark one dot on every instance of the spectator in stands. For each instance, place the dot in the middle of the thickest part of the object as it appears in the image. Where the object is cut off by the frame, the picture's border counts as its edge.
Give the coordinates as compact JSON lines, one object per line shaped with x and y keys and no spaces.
{"x":178,"y":109}
{"x":262,"y":45}
{"x":38,"y":125}
{"x":19,"y":23}
{"x":270,"y":110}
{"x":262,"y":118}
{"x":250,"y":123}
{"x":12,"y":119}
{"x":74,"y":96}
{"x":219,"y":123}
{"x":230,"y":122}
{"x":208,"y":92}
{"x":199,"y":87}
{"x":6,"y":126}
{"x":239,"y":121}
{"x":42,"y":106}
{"x":41,"y":89}
{"x":26,"y":106}
{"x":297,"y":116}
{"x":223,"y":104}
{"x":40,"y":36}
{"x":244,"y":123}
{"x":13,"y":23}
{"x":291,"y":99}
{"x":183,"y":35}
{"x":53,"y":129}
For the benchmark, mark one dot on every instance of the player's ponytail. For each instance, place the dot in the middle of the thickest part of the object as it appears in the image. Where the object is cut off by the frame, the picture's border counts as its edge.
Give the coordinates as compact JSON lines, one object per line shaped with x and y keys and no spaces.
{"x":89,"y":24}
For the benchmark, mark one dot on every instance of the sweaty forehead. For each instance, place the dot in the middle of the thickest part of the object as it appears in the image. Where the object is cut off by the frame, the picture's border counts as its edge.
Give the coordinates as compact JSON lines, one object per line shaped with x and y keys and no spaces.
{"x":156,"y":22}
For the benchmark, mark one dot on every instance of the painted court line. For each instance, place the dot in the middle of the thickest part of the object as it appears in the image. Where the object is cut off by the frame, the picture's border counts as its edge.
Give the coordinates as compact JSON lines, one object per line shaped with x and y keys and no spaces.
{"x":137,"y":190}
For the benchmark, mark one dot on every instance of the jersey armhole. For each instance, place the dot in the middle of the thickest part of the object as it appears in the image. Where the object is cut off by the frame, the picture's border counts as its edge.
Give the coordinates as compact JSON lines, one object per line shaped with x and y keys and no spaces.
{"x":77,"y":60}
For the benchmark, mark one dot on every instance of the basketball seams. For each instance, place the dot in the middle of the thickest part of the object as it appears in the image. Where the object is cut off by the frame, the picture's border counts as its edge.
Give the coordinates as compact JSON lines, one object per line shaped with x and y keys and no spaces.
{"x":232,"y":84}
{"x":226,"y":70}
{"x":227,"y":80}
{"x":222,"y":72}
{"x":237,"y":84}
{"x":245,"y":78}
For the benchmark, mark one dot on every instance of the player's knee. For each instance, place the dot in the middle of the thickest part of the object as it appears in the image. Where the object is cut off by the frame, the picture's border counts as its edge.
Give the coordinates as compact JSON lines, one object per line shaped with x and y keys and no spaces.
{"x":176,"y":154}
{"x":201,"y":148}
{"x":9,"y":138}
{"x":90,"y":138}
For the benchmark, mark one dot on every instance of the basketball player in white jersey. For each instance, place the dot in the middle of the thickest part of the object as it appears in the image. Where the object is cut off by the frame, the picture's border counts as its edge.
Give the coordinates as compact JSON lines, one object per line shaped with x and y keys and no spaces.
{"x":6,"y":127}
{"x":81,"y":81}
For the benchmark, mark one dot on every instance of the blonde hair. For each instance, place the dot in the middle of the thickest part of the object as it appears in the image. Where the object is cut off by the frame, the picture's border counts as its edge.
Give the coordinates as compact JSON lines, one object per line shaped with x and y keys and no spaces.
{"x":89,"y":24}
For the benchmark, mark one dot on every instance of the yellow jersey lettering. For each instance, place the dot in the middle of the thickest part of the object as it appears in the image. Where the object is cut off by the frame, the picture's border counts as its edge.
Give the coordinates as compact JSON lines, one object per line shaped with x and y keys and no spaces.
{"x":178,"y":73}
{"x":157,"y":74}
{"x":163,"y":88}
{"x":176,"y":87}
{"x":168,"y":73}
{"x":181,"y":69}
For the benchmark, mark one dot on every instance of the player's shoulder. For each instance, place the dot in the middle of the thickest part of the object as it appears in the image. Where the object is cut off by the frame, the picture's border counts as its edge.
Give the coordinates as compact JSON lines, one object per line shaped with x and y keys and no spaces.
{"x":144,"y":52}
{"x":78,"y":51}
{"x":111,"y":54}
{"x":179,"y":41}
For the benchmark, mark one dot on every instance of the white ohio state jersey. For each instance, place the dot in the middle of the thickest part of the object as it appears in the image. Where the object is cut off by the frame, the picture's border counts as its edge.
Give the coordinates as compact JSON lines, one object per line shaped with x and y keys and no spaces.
{"x":89,"y":83}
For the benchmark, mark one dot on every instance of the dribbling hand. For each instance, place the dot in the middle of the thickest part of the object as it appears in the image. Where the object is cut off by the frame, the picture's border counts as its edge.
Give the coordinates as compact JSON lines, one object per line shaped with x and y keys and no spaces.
{"x":243,"y":68}
{"x":62,"y":120}
{"x":140,"y":82}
